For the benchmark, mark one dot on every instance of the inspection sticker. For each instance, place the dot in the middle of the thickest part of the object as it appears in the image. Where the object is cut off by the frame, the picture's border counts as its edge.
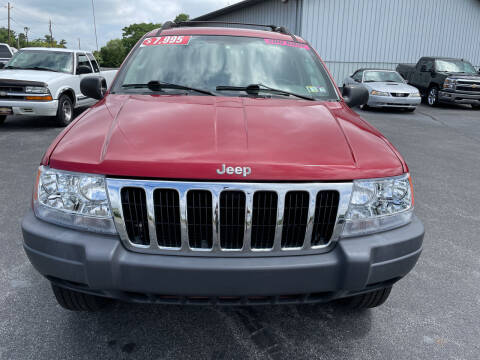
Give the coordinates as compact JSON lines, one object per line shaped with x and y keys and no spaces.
{"x":166,"y":40}
{"x":316,"y":89}
{"x":286,"y":43}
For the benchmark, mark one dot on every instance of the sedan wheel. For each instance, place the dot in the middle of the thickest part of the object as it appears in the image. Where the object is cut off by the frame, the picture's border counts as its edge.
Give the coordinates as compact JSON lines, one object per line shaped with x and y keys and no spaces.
{"x":432,"y":96}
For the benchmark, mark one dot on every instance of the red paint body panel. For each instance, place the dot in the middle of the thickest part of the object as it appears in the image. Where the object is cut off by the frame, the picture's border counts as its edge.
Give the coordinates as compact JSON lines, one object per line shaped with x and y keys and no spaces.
{"x":189,"y":137}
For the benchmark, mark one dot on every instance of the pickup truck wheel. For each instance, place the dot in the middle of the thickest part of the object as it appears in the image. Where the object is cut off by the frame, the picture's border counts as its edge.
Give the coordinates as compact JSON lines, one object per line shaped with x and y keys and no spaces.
{"x":76,"y":301}
{"x":432,"y":97}
{"x":2,"y":119}
{"x":65,"y":110}
{"x":368,"y":300}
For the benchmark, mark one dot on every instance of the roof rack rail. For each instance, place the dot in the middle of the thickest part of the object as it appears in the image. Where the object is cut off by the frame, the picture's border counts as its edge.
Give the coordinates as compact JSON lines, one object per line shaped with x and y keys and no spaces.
{"x":274,"y":28}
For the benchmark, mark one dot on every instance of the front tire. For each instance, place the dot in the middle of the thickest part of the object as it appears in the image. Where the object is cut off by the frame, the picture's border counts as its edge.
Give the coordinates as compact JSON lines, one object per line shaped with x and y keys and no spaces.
{"x":2,"y":119}
{"x":65,"y":111}
{"x":432,"y":96}
{"x":77,"y":301}
{"x":368,"y":300}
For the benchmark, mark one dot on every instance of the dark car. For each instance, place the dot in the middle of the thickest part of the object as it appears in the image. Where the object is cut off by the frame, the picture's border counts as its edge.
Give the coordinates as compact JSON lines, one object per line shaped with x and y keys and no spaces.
{"x":444,"y":80}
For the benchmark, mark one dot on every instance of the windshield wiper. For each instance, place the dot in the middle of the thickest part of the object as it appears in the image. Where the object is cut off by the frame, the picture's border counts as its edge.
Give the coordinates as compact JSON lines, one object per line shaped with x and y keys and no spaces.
{"x":160,"y":85}
{"x":254,"y":89}
{"x":30,"y":68}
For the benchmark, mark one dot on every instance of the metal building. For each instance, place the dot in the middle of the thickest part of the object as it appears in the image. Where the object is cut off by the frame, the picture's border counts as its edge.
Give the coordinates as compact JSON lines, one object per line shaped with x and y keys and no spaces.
{"x":350,"y":34}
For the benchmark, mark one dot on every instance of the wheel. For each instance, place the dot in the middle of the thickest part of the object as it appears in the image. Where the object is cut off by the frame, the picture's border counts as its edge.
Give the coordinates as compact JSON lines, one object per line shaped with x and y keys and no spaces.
{"x":432,"y":97}
{"x":365,"y":107}
{"x":368,"y":300}
{"x":76,"y":301}
{"x":410,"y":109}
{"x":65,"y":110}
{"x":2,"y":119}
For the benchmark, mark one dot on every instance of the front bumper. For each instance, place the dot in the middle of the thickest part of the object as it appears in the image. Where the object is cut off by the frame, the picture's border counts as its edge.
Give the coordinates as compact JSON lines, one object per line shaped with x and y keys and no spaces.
{"x":458,"y":98}
{"x":393,"y":102}
{"x":100,"y":265}
{"x":32,"y":108}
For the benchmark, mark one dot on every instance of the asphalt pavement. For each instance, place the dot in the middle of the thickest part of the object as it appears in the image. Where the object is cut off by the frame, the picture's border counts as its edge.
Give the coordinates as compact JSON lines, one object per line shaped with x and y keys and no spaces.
{"x":431,"y":314}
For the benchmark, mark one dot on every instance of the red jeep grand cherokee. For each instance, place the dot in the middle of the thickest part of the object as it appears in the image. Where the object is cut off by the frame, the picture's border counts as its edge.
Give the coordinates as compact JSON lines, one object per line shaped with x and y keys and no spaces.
{"x":223,"y":166}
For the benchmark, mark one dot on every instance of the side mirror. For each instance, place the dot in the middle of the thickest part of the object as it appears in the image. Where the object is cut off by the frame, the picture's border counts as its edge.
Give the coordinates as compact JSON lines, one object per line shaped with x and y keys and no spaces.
{"x":83,"y":69}
{"x":405,"y":81}
{"x":94,"y":87}
{"x":2,"y":65}
{"x":355,"y":95}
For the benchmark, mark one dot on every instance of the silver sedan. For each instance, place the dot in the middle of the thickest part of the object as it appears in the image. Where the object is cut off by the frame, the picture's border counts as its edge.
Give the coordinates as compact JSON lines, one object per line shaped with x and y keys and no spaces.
{"x":386,"y":88}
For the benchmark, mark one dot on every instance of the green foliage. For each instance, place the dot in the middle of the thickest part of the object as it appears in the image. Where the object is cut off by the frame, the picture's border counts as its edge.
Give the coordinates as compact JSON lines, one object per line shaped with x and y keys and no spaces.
{"x":112,"y":54}
{"x":182,"y":17}
{"x":15,"y":39}
{"x":133,"y":33}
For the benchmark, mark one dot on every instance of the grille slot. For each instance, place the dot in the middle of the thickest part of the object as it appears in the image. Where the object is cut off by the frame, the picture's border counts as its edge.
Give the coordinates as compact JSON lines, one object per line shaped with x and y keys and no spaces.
{"x":134,"y":206}
{"x":167,"y":218}
{"x":326,"y":210}
{"x":232,"y":219}
{"x":295,"y":219}
{"x":264,"y":219}
{"x":200,"y":219}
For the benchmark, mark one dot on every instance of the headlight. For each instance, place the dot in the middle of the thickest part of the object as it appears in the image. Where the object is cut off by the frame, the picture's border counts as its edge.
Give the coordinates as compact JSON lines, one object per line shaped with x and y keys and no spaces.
{"x":379,"y":205}
{"x":417,"y":94}
{"x":74,"y":200}
{"x":379,"y":93}
{"x":449,"y":83}
{"x":37,"y":90}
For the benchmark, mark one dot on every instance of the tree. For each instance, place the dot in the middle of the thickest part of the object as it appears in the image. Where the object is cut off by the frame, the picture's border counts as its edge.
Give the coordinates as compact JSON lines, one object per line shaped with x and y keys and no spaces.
{"x":112,"y":54}
{"x":182,"y":17}
{"x":133,"y":33}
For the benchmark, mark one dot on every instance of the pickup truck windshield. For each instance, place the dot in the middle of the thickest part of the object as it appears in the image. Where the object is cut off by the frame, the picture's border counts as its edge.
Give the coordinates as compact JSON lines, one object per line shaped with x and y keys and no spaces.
{"x":209,"y":62}
{"x":42,"y":60}
{"x":382,"y":76}
{"x":454,"y":66}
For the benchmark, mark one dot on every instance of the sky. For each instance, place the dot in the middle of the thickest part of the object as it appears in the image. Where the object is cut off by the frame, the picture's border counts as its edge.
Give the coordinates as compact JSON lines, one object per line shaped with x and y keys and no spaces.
{"x":73,"y":19}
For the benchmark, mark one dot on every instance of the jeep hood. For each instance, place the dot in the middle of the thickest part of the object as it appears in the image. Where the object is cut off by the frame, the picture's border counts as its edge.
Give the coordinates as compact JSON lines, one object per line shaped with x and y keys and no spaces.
{"x":190,"y":137}
{"x":31,"y":75}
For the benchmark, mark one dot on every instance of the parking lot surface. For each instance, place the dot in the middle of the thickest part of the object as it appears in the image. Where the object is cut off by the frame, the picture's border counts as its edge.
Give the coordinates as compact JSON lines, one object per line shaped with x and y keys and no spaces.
{"x":432,"y":314}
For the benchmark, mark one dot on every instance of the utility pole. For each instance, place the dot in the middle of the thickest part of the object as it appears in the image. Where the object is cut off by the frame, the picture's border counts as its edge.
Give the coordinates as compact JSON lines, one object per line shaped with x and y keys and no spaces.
{"x":9,"y":8}
{"x":51,"y":34}
{"x":79,"y":45}
{"x":95,"y":23}
{"x":26,"y":29}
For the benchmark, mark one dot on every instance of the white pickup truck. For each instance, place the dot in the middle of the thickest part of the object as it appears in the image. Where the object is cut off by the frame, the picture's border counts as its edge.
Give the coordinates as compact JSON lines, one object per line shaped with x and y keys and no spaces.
{"x":46,"y":82}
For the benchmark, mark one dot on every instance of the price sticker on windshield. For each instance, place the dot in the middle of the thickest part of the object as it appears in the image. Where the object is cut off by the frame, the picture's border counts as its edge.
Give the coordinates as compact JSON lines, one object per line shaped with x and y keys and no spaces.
{"x":166,"y":40}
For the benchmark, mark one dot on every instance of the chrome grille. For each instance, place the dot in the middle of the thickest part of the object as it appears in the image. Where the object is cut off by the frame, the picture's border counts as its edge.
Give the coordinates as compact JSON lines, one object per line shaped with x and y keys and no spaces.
{"x":228,"y":219}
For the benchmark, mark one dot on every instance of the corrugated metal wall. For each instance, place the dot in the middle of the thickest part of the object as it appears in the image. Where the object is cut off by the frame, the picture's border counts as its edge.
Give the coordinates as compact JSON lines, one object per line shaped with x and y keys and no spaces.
{"x":350,"y":34}
{"x":267,"y":12}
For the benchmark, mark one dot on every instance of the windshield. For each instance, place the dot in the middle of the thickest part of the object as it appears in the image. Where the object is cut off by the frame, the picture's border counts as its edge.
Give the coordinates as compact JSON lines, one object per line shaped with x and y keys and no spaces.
{"x":207,"y":62}
{"x":382,"y":76}
{"x":454,"y":66}
{"x":46,"y":60}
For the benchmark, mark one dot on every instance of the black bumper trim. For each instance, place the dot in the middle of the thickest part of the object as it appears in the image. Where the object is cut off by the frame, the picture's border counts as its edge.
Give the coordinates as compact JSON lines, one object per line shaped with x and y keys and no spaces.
{"x":102,"y":265}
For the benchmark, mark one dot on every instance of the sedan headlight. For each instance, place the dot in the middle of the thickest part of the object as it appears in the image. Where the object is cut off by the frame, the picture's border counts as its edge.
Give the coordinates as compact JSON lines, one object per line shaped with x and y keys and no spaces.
{"x":74,"y":200}
{"x":449,"y":83}
{"x":417,"y":95}
{"x":379,"y":205}
{"x":37,"y":90}
{"x":379,"y":93}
